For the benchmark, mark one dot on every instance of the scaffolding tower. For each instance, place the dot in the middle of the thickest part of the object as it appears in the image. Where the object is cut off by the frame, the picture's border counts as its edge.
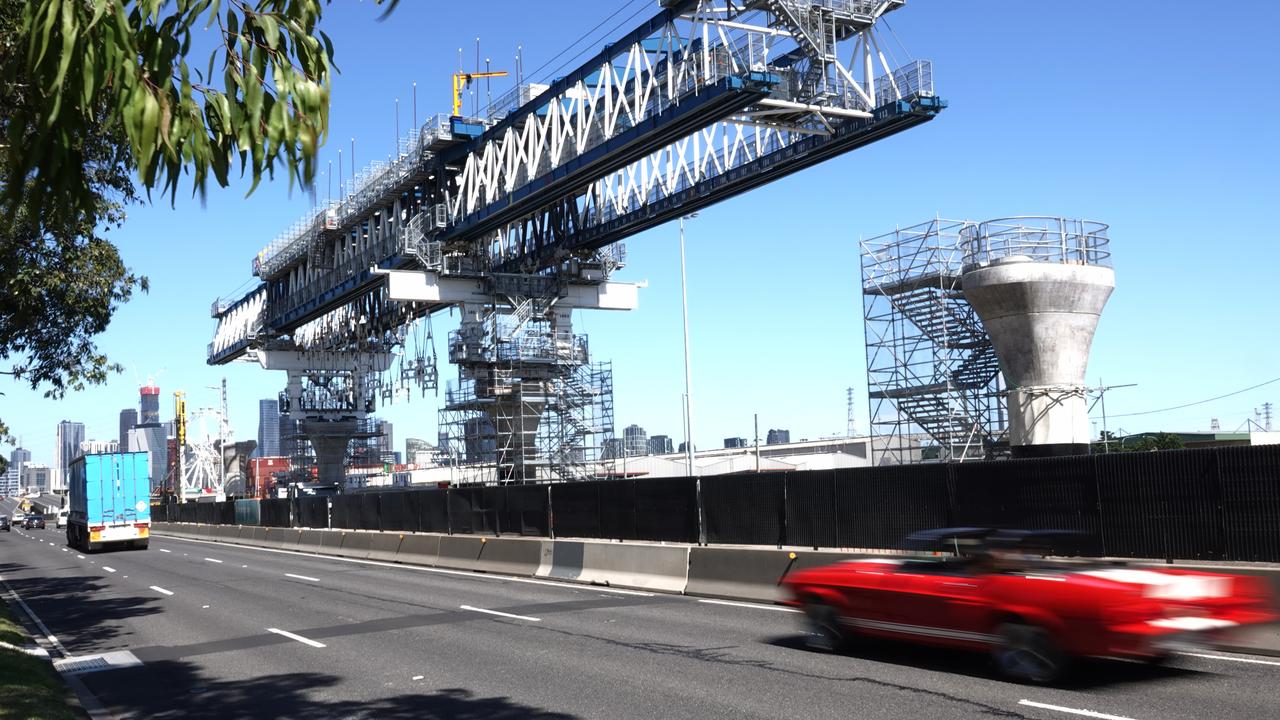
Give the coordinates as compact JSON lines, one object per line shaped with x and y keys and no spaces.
{"x":528,"y":405}
{"x":935,"y":391}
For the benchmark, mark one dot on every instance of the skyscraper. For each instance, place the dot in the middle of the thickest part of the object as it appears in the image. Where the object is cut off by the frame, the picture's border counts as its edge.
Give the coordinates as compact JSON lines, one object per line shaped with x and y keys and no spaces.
{"x":18,"y":460}
{"x":149,"y":398}
{"x":268,"y":428}
{"x":67,"y":447}
{"x":660,"y":445}
{"x":777,"y":437}
{"x":128,"y":419}
{"x":635,"y":440}
{"x":735,"y":442}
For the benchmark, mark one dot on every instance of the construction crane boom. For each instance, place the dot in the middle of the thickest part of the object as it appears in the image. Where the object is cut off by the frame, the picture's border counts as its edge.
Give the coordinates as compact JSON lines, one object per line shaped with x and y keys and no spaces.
{"x":461,"y":81}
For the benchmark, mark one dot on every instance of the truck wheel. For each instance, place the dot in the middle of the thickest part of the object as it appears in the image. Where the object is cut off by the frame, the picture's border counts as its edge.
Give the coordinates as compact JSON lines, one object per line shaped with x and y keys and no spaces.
{"x":1028,"y":654}
{"x":822,"y":624}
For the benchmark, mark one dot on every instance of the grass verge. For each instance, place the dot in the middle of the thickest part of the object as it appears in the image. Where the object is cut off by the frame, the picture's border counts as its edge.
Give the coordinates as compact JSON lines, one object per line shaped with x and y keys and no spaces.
{"x":29,"y":686}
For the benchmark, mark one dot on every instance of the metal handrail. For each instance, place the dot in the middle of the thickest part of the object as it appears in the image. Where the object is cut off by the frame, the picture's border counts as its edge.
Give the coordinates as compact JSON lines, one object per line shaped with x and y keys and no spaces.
{"x":1037,"y":239}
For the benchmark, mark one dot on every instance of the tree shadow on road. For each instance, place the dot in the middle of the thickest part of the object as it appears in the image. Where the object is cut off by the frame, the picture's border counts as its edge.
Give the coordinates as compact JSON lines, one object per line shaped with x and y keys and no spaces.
{"x":84,"y":607}
{"x":171,"y":690}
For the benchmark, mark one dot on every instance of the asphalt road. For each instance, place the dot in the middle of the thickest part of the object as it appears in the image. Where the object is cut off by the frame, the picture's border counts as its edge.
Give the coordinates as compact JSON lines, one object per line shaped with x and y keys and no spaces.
{"x":226,"y":631}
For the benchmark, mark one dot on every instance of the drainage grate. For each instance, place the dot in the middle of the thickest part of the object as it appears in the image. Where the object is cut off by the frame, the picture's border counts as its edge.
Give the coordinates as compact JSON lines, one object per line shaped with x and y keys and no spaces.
{"x":95,"y":663}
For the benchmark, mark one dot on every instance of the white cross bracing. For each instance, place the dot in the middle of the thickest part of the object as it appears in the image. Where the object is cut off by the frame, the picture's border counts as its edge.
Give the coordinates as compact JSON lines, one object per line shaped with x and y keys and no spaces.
{"x":774,"y":65}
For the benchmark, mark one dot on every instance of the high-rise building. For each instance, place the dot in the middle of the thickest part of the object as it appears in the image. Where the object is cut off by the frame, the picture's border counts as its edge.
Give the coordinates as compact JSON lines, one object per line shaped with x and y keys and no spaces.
{"x":128,"y":419}
{"x":777,"y":437}
{"x":153,"y":440}
{"x":386,"y":442}
{"x":612,"y":449}
{"x":268,"y":428}
{"x":12,"y":479}
{"x":67,"y":447}
{"x":149,"y":399}
{"x":735,"y":442}
{"x":635,"y":440}
{"x":660,"y":445}
{"x":37,"y":477}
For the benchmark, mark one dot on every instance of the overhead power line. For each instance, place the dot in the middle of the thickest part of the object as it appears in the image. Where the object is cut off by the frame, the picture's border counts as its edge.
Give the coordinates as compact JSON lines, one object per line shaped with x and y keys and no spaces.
{"x":1198,"y":402}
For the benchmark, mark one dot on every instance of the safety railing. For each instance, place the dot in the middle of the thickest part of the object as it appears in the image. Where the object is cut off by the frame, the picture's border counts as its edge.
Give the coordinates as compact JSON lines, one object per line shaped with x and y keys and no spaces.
{"x":1038,"y":239}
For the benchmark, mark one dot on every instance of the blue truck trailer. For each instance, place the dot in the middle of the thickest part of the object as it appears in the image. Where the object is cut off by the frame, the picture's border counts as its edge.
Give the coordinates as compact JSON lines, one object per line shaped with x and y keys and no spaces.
{"x":110,"y":501}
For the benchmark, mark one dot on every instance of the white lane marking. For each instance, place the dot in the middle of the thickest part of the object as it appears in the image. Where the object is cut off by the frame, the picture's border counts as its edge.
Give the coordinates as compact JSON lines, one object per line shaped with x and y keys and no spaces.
{"x":442,"y":571}
{"x":65,"y":550}
{"x":500,"y":614}
{"x":159,"y":589}
{"x":1073,"y":711}
{"x":108,"y":569}
{"x":204,"y":607}
{"x":1232,"y":659}
{"x":214,"y":560}
{"x":53,"y":640}
{"x":1191,"y":623}
{"x":417,"y":677}
{"x":163,"y":550}
{"x":299,"y":638}
{"x":753,"y":606}
{"x":302,"y":577}
{"x":80,"y":556}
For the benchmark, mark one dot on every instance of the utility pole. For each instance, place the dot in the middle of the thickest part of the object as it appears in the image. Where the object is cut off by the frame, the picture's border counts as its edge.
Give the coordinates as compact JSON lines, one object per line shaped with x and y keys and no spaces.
{"x":757,"y":424}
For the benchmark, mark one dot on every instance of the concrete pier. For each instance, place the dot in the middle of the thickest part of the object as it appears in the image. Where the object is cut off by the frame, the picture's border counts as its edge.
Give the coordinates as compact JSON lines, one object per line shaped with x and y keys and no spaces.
{"x":1039,"y":286}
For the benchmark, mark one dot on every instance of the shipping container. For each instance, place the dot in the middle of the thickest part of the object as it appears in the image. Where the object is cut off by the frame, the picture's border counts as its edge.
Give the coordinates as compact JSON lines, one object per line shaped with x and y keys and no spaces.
{"x":109,"y":501}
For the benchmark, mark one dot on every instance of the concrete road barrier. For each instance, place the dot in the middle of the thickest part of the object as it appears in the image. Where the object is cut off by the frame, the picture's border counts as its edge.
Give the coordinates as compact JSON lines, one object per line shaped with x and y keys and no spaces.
{"x":419,"y":550}
{"x":648,"y":567}
{"x":257,"y":536}
{"x":226,"y":533}
{"x":384,"y":546}
{"x":749,"y":573}
{"x":561,"y":559}
{"x":509,"y":556}
{"x":310,"y":540}
{"x":460,"y":552}
{"x":634,"y":565}
{"x":354,"y":545}
{"x":331,"y":541}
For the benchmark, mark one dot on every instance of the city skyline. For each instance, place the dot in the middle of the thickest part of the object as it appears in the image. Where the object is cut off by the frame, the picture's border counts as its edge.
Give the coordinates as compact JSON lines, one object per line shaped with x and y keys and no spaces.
{"x":1156,"y":200}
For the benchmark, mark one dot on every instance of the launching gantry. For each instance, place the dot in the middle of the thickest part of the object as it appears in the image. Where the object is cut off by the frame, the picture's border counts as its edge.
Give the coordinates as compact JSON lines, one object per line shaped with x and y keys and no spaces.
{"x":513,"y":215}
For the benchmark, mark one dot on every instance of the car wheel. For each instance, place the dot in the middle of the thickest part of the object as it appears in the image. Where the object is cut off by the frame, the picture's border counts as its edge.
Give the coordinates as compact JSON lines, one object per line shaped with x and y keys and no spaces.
{"x":823,"y":631}
{"x":1028,"y":654}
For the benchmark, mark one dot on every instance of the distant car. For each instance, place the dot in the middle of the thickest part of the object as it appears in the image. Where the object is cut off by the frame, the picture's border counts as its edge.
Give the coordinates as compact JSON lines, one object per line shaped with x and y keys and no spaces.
{"x":61,"y":522}
{"x":33,"y":521}
{"x":4,"y":523}
{"x":994,"y":591}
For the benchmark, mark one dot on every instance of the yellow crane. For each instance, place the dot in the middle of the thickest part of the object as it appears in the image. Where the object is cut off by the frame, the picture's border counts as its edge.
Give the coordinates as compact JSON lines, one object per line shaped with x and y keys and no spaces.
{"x":179,"y":436}
{"x":461,"y":81}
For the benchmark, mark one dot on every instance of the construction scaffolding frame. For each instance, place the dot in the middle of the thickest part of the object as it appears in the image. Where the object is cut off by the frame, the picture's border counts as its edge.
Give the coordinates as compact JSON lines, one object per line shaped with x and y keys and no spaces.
{"x":530,"y":407}
{"x":935,"y":392}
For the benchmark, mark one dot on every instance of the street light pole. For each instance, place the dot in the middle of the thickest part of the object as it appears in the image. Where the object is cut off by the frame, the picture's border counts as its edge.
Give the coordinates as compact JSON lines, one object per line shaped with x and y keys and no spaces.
{"x":688,"y":374}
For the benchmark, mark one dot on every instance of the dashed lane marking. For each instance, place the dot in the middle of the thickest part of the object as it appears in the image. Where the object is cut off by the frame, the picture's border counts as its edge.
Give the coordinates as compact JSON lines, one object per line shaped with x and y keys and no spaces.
{"x":214,"y":560}
{"x":108,"y":569}
{"x":163,"y":550}
{"x":753,"y":606}
{"x":302,"y":577}
{"x":500,"y":614}
{"x":1073,"y":711}
{"x":299,"y":638}
{"x":1253,"y":661}
{"x":161,"y":590}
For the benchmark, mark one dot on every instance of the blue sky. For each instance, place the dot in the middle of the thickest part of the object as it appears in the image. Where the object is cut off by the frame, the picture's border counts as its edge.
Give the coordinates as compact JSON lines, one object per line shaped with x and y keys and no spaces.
{"x":1132,"y":113}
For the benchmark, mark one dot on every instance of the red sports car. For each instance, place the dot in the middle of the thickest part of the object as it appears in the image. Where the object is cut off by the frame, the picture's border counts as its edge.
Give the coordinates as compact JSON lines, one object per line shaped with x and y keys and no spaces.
{"x":993,"y":591}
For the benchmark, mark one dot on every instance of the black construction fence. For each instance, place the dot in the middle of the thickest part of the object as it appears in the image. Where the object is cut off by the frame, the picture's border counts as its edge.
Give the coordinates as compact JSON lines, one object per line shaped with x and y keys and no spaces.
{"x":1211,"y":504}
